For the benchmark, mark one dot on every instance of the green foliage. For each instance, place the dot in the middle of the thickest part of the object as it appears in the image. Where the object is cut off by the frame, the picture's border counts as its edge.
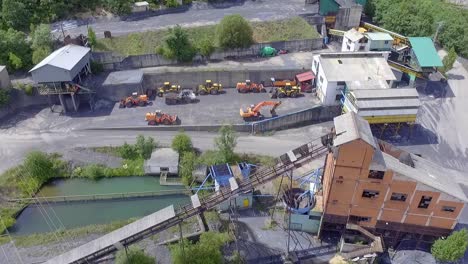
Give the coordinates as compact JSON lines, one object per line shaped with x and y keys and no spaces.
{"x":205,"y":47}
{"x":206,"y":251}
{"x":187,"y":165}
{"x":452,"y":248}
{"x":120,"y":7}
{"x":178,"y":46}
{"x":182,"y":143}
{"x":186,"y":2}
{"x":41,"y":37}
{"x":226,"y":142}
{"x":4,"y":97}
{"x":15,"y":14}
{"x":29,"y":89}
{"x":39,"y":166}
{"x":96,"y":67}
{"x":133,"y":255}
{"x":419,"y":18}
{"x":128,"y":151}
{"x":40,"y":53}
{"x":97,"y":171}
{"x":145,"y":146}
{"x":93,"y":171}
{"x":449,"y":60}
{"x":210,"y":157}
{"x":234,"y":32}
{"x":15,"y":51}
{"x":92,"y":37}
{"x":171,"y":3}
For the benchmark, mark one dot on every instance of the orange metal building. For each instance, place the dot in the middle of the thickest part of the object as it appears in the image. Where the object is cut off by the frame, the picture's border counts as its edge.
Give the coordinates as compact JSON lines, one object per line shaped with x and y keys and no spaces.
{"x":386,"y":190}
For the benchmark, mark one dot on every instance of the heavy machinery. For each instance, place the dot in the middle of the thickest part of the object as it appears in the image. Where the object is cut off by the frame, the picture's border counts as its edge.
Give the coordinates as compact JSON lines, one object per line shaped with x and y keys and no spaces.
{"x":185,"y":96}
{"x":253,"y":112}
{"x":134,"y":100}
{"x":287,"y":91}
{"x":157,"y":118}
{"x":168,"y":88}
{"x":282,"y":82}
{"x":209,"y":88}
{"x":248,"y":86}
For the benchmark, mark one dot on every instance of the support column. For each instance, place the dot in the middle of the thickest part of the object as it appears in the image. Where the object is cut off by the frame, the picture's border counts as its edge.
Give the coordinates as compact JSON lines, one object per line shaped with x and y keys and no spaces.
{"x":412,"y":80}
{"x":74,"y":102}
{"x":62,"y":103}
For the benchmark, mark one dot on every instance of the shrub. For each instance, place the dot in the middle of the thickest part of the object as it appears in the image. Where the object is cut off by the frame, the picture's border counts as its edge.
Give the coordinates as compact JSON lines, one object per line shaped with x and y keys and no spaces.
{"x":96,"y":67}
{"x":452,"y":248}
{"x":210,"y":157}
{"x":92,"y":37}
{"x":145,"y":147}
{"x":93,"y":171}
{"x":206,"y":251}
{"x":171,"y":3}
{"x":449,"y":60}
{"x":178,"y":45}
{"x":234,"y":32}
{"x":128,"y":151}
{"x":133,"y":255}
{"x":226,"y":142}
{"x":4,"y":97}
{"x":206,"y":47}
{"x":187,"y":164}
{"x":29,"y":89}
{"x":39,"y":166}
{"x":182,"y":143}
{"x":186,"y":2}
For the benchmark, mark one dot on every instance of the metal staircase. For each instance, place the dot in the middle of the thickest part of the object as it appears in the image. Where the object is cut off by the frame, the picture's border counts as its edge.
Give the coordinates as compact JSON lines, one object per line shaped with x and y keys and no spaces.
{"x":138,"y":230}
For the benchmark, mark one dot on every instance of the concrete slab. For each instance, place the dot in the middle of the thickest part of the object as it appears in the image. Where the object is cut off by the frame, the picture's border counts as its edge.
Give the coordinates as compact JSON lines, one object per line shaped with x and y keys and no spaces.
{"x":124,"y":77}
{"x":163,"y":159}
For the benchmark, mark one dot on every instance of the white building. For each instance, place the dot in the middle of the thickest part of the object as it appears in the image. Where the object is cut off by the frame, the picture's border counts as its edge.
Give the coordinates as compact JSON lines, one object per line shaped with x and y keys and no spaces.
{"x":354,"y":40}
{"x":140,"y":7}
{"x":334,"y":71}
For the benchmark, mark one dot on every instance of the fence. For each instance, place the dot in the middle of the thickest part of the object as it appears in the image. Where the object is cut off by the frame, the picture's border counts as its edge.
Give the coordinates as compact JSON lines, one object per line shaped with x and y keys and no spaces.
{"x":112,"y":61}
{"x":304,"y":117}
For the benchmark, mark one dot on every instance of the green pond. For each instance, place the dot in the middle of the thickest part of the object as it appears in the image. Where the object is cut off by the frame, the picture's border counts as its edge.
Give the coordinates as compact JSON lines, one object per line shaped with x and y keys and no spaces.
{"x":49,"y":217}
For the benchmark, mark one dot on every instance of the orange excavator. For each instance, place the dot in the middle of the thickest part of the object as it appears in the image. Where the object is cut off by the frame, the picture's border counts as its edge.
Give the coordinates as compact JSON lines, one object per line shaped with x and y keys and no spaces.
{"x":253,"y":112}
{"x":159,"y":118}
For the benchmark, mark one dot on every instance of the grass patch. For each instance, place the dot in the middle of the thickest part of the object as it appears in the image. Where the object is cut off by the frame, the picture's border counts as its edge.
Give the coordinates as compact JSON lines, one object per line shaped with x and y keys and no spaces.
{"x":47,"y":238}
{"x":211,"y":216}
{"x":268,"y":31}
{"x":109,"y":150}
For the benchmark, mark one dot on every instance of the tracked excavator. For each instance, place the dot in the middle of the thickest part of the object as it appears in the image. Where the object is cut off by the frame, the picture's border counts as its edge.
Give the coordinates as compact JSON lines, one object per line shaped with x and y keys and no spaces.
{"x":253,"y":112}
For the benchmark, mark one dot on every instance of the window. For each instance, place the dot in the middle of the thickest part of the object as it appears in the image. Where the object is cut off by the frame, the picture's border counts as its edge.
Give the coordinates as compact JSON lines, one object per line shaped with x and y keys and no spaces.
{"x":449,"y":209}
{"x":348,"y":47}
{"x":349,"y":41}
{"x":340,"y":83}
{"x":355,"y":218}
{"x":321,"y":79}
{"x":339,"y":181}
{"x":373,"y":174}
{"x":398,"y":197}
{"x":362,"y":48}
{"x":315,"y":64}
{"x":424,"y":202}
{"x":370,"y":194}
{"x":386,"y":42}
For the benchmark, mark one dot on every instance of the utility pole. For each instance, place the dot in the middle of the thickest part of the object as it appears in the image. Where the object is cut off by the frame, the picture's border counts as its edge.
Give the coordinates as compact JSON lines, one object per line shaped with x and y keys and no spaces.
{"x":440,"y":24}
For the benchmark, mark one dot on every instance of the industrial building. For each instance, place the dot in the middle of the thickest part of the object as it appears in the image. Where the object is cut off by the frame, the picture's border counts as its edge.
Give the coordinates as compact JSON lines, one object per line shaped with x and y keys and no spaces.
{"x":336,"y":72}
{"x":353,"y":40}
{"x":342,"y":14}
{"x":5,"y":82}
{"x":62,"y":73}
{"x":392,"y":193}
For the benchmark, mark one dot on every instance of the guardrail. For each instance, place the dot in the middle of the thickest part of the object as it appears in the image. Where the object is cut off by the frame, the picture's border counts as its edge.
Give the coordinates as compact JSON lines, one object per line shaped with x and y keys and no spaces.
{"x":99,"y":197}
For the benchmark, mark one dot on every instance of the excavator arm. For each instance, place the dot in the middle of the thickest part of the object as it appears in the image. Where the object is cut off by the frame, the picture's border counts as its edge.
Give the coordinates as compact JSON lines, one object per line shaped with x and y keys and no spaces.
{"x":255,"y":110}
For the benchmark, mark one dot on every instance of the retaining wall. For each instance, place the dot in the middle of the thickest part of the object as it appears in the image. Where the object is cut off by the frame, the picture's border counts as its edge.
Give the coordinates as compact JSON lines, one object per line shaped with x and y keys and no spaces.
{"x":18,"y":100}
{"x":112,"y":61}
{"x":305,"y":117}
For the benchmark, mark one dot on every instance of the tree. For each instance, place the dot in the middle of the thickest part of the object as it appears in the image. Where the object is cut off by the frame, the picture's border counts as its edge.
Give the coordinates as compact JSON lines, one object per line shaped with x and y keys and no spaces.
{"x":145,"y":147}
{"x":449,"y":60}
{"x":205,"y":251}
{"x":14,"y":61}
{"x":205,"y":47}
{"x":182,"y":143}
{"x":234,"y":32}
{"x":15,"y":14}
{"x":92,"y":37}
{"x":187,"y":165}
{"x":226,"y":142}
{"x":128,"y":151}
{"x":15,"y":51}
{"x":40,"y":53}
{"x":178,"y":45}
{"x":120,"y":7}
{"x":134,"y":255}
{"x":452,"y":248}
{"x":41,"y":37}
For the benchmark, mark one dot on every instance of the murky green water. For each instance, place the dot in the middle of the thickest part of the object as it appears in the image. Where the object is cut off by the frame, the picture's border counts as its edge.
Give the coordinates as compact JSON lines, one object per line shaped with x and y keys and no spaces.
{"x":37,"y":219}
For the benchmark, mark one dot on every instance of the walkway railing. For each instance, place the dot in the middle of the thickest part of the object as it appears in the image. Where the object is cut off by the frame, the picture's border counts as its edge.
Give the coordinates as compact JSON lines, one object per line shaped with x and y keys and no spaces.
{"x":99,"y":197}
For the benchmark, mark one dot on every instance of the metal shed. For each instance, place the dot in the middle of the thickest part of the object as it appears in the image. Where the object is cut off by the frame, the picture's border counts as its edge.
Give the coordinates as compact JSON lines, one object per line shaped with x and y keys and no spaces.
{"x":63,"y":65}
{"x":120,"y":84}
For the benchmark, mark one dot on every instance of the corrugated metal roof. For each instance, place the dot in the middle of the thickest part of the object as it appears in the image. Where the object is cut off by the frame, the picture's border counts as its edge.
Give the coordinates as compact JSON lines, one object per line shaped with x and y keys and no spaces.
{"x":389,"y":112}
{"x":124,"y":77}
{"x":388,"y":103}
{"x":353,"y":35}
{"x":385,"y":93}
{"x":350,"y":127}
{"x":65,"y":58}
{"x":425,"y":52}
{"x":305,"y":76}
{"x":379,"y":36}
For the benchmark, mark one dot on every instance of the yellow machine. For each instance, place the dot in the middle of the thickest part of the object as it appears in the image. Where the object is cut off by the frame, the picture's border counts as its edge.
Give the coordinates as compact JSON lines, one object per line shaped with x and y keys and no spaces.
{"x":209,"y":88}
{"x":253,"y":112}
{"x":168,"y":88}
{"x":287,"y":91}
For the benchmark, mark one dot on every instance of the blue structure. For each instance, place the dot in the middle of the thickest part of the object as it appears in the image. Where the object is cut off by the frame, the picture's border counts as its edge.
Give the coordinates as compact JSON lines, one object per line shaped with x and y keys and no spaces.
{"x":294,"y":198}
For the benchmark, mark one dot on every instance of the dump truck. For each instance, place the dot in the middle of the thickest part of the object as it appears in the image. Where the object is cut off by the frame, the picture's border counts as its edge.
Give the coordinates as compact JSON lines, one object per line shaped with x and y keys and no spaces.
{"x":185,"y":96}
{"x":248,"y":86}
{"x":134,"y":100}
{"x":168,"y":88}
{"x":158,"y":117}
{"x":253,"y":112}
{"x":282,"y":82}
{"x":209,"y":88}
{"x":287,"y":91}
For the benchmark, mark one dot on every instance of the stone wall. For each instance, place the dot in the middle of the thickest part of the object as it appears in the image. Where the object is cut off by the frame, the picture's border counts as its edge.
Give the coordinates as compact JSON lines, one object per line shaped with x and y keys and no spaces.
{"x":113,"y":62}
{"x":19,"y":100}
